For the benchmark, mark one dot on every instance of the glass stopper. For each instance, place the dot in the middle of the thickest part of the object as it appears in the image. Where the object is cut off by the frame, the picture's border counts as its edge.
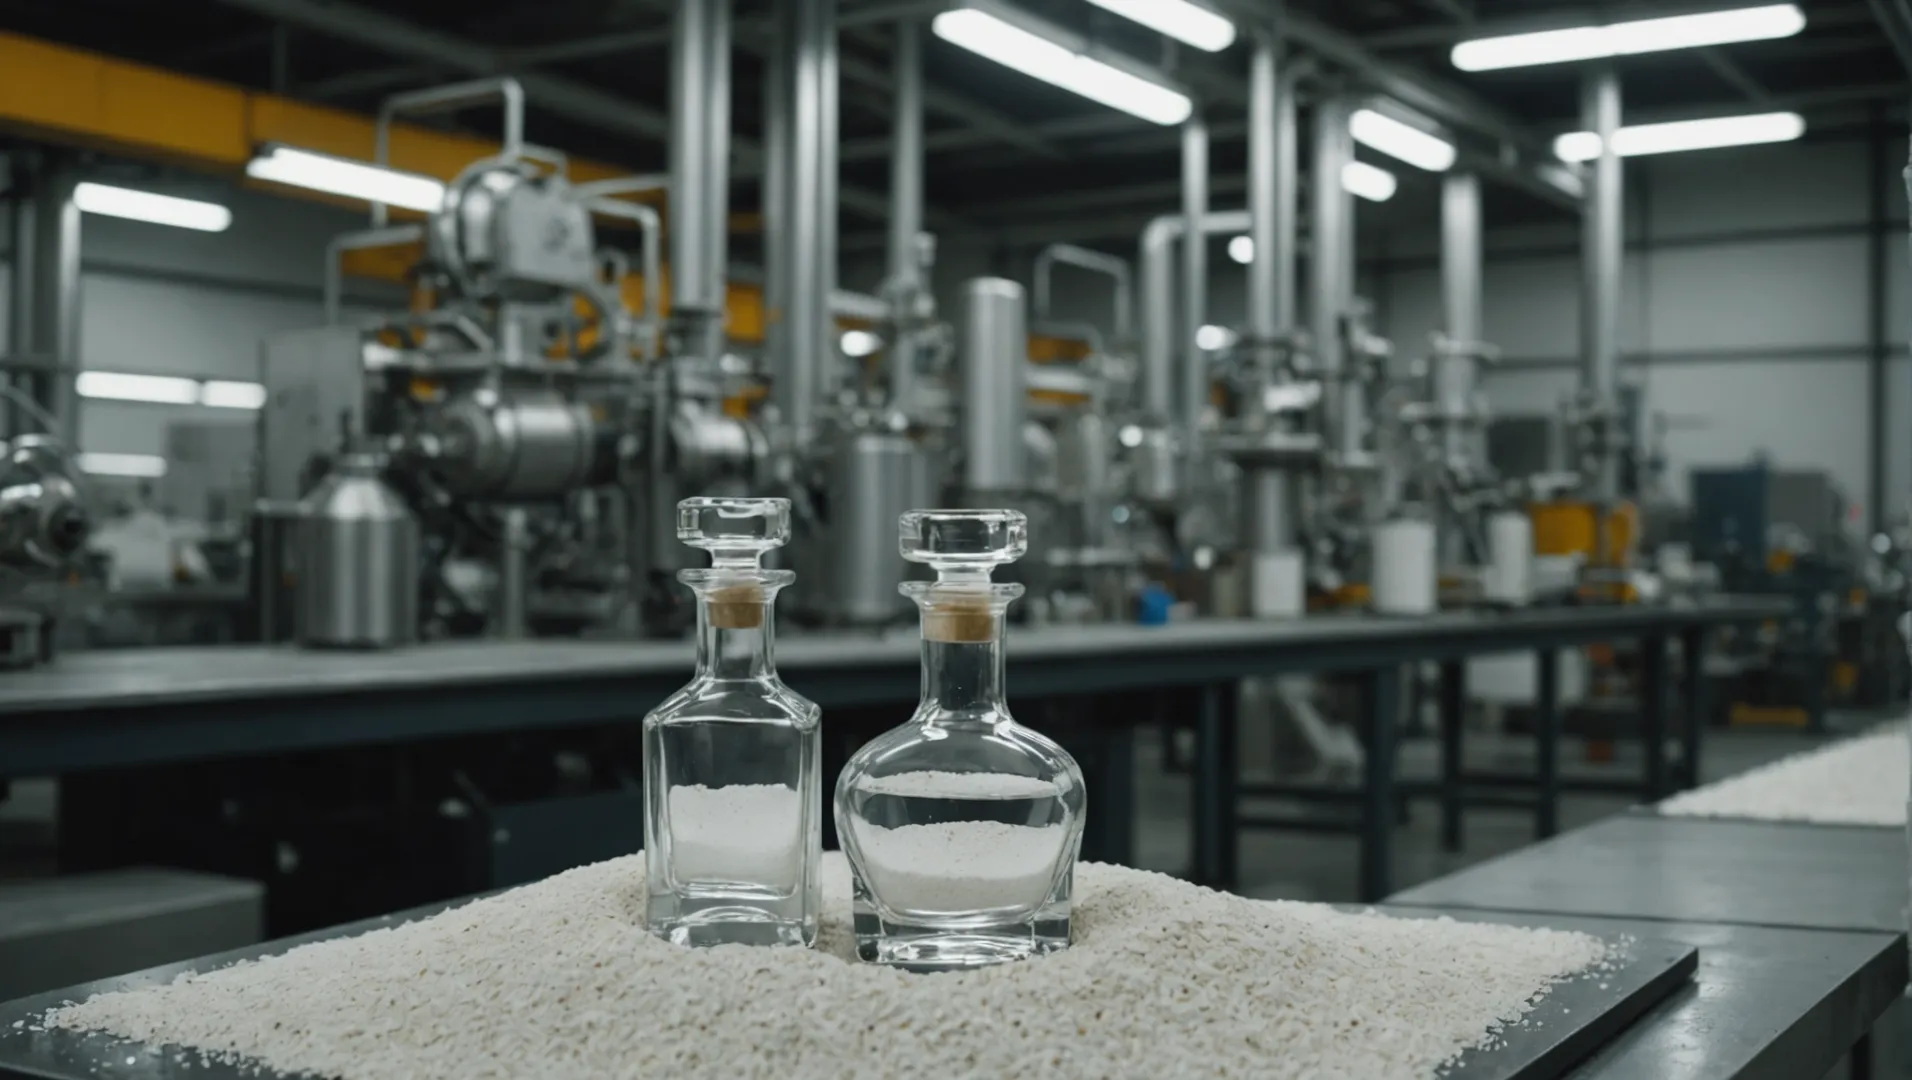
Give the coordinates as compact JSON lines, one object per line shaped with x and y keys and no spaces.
{"x":737,"y":533}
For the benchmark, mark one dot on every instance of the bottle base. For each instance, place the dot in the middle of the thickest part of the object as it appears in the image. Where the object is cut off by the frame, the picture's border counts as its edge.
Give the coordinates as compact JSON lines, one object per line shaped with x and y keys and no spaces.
{"x":923,"y":948}
{"x":703,"y":925}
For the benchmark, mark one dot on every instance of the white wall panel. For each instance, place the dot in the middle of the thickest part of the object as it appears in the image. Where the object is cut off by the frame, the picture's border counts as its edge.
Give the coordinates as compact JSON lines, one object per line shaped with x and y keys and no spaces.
{"x":1791,"y":293}
{"x":1753,"y":188}
{"x":135,"y":324}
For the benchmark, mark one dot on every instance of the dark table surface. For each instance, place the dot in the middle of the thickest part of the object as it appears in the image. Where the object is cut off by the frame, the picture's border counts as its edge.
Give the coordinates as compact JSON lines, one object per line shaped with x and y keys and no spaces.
{"x":1768,"y":1003}
{"x":1573,"y":1021}
{"x":145,"y":707}
{"x":1644,"y":866}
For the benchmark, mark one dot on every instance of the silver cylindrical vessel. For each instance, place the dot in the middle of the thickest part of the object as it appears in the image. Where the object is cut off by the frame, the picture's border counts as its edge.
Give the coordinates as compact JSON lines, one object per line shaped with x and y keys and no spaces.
{"x":994,"y":361}
{"x":876,"y":478}
{"x":358,"y":562}
{"x":535,"y":446}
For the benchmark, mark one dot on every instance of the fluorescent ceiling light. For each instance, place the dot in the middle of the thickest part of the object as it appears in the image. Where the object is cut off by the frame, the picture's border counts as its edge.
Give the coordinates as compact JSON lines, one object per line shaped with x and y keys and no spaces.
{"x":1685,"y":135}
{"x":145,"y":206}
{"x":1399,"y":140}
{"x":343,"y":176}
{"x":1189,"y":23}
{"x":1061,"y":59}
{"x":144,"y":466}
{"x":1242,"y":249}
{"x":1629,"y":38}
{"x":857,"y":344}
{"x":120,"y":386}
{"x":1369,"y":182}
{"x":222,"y":394}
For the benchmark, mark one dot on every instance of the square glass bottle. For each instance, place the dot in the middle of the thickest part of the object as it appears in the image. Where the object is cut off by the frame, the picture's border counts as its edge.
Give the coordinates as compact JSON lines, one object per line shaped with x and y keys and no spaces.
{"x":732,"y":804}
{"x":962,"y":826}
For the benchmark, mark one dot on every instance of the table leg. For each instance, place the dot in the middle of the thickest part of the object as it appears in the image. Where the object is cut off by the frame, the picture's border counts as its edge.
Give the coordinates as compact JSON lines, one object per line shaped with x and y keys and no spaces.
{"x":1382,"y":694}
{"x":1653,"y":715}
{"x":1453,"y":704}
{"x":1216,"y":831}
{"x":1861,"y":1058}
{"x":1546,"y":743}
{"x":1692,"y":703}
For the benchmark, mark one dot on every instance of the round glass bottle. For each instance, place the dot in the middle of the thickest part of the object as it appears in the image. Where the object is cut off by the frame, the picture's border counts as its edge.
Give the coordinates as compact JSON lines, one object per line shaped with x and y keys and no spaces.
{"x":962,"y":826}
{"x":732,"y":804}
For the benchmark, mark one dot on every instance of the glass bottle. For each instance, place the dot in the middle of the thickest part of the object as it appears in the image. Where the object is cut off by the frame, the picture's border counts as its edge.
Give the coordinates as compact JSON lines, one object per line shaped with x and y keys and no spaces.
{"x":962,"y":826}
{"x":732,"y":808}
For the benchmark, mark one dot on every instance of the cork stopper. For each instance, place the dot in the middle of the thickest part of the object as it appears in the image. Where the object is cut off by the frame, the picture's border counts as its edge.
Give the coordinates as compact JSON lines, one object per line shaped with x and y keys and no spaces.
{"x":738,"y":533}
{"x":962,"y":606}
{"x":959,"y":616}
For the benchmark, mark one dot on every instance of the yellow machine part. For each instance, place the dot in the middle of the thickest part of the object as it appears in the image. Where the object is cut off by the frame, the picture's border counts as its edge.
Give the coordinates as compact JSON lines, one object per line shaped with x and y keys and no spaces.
{"x":1743,"y":714}
{"x":1574,"y":528}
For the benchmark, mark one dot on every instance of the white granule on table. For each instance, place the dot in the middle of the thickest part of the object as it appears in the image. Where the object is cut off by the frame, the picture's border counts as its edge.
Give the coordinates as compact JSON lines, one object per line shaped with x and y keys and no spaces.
{"x":740,"y":832}
{"x":962,"y":865}
{"x":1165,"y":979}
{"x":1861,"y":781}
{"x":936,"y":784}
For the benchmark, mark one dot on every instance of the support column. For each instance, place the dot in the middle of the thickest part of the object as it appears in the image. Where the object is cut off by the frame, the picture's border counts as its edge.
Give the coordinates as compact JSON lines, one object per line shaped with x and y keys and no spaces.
{"x":1602,"y":247}
{"x":906,"y":200}
{"x":1455,"y":374}
{"x":1330,"y":274}
{"x":55,"y":302}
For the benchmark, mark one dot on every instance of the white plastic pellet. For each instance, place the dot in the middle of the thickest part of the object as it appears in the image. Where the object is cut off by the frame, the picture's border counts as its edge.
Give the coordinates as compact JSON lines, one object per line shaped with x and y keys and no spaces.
{"x":1861,"y":781}
{"x":1165,"y":979}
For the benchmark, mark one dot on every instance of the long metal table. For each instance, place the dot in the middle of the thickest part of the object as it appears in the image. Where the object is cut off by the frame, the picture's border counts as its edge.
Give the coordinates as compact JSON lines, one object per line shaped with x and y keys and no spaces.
{"x":152,"y":707}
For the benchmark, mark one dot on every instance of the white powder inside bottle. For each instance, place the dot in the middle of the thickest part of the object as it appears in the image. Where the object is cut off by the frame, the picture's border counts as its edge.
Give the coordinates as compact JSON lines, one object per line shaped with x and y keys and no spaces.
{"x":749,"y":833}
{"x":936,"y":784}
{"x":961,"y":865}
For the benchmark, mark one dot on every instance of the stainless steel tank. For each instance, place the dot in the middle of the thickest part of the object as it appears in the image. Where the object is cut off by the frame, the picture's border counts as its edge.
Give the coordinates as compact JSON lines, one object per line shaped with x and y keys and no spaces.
{"x":875,"y":477}
{"x":529,"y":446}
{"x":358,"y":562}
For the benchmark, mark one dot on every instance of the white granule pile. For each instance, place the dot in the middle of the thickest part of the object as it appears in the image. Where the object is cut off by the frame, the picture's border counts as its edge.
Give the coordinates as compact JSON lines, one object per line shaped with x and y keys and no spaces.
{"x":962,"y":865}
{"x":936,"y":784}
{"x":1861,"y":781}
{"x":1165,"y":980}
{"x":740,"y":832}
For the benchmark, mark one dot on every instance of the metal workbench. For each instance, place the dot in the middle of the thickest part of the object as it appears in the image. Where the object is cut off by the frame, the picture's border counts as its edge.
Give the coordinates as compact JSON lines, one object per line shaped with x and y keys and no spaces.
{"x":152,"y":707}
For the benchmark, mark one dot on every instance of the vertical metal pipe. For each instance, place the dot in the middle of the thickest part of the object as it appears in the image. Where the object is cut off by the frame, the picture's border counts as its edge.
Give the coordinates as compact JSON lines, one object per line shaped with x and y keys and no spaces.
{"x":906,"y":155}
{"x":994,"y":361}
{"x":906,"y":204}
{"x":1287,"y":211}
{"x":1158,"y":319}
{"x":1194,"y":285}
{"x":1601,"y":245}
{"x":807,"y":217}
{"x":776,"y":204}
{"x":509,"y":608}
{"x":1330,"y":232}
{"x":700,"y":142}
{"x":1454,"y":375}
{"x":1264,"y":91}
{"x":56,"y":297}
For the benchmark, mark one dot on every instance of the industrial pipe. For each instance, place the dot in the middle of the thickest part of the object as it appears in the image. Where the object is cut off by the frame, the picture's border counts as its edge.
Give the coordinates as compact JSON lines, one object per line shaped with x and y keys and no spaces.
{"x":906,"y":203}
{"x":1331,"y":275}
{"x":1117,"y":269}
{"x":1268,"y":524}
{"x":440,"y":99}
{"x":1454,"y":366}
{"x":1158,"y":303}
{"x":19,"y":287}
{"x":56,"y":298}
{"x":1194,"y":288}
{"x":699,"y":166}
{"x":806,"y":220}
{"x":651,"y":226}
{"x":1601,"y":248}
{"x":389,"y":236}
{"x":1287,"y":211}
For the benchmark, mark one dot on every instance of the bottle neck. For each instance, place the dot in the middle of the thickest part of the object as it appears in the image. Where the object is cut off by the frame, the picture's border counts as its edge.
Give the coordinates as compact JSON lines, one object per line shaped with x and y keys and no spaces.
{"x":962,"y":678}
{"x":733,"y":645}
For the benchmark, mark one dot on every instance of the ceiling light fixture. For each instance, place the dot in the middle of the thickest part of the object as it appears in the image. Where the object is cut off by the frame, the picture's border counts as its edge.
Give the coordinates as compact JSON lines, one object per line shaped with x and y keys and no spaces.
{"x":1680,"y":135}
{"x":1401,"y":140}
{"x":122,"y":386}
{"x":343,"y":176}
{"x":1368,"y":181}
{"x":1242,"y":249}
{"x":1183,"y":20}
{"x":139,"y":466}
{"x":145,"y":206}
{"x":226,"y":394}
{"x":1043,"y":51}
{"x":1630,"y":38}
